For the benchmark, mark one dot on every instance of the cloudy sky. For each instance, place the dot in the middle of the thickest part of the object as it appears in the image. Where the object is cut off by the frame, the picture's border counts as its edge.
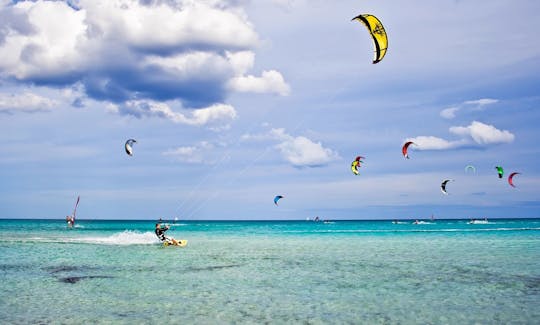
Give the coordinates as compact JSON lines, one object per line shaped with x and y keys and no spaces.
{"x":235,"y":102}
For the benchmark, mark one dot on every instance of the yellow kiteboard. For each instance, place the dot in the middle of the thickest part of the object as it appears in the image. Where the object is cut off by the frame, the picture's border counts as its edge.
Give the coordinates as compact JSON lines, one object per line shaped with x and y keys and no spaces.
{"x":181,"y":243}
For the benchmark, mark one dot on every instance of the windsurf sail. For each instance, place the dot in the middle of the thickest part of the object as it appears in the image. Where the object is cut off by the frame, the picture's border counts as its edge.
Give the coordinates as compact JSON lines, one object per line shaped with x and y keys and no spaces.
{"x":75,"y":209}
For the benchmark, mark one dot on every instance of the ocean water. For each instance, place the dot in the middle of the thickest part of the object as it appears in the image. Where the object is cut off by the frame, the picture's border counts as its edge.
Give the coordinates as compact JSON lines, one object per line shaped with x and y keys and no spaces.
{"x":352,"y":272}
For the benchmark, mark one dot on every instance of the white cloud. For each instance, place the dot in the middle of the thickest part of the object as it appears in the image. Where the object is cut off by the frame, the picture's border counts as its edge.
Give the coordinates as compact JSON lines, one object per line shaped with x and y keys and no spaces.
{"x":483,"y":134}
{"x":449,"y":113}
{"x":477,"y":133}
{"x":191,"y":154}
{"x":241,"y":61}
{"x":270,"y":82}
{"x":51,"y":48}
{"x":478,"y":104}
{"x":434,"y":143}
{"x":191,"y":51}
{"x":481,"y":102}
{"x":217,"y":113}
{"x":26,"y":102}
{"x":299,"y":151}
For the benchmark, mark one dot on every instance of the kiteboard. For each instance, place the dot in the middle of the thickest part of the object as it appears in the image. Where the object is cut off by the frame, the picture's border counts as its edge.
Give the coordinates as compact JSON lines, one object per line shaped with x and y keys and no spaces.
{"x":181,"y":243}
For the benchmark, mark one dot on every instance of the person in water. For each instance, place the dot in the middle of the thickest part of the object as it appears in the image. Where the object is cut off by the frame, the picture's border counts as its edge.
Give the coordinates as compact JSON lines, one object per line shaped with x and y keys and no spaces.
{"x":160,"y":233}
{"x":70,"y":221}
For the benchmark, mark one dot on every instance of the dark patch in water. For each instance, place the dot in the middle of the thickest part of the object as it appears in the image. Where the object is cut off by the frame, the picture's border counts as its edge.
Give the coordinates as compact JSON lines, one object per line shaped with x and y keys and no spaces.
{"x":67,"y":268}
{"x":532,"y":284}
{"x":75,"y":279}
{"x":213,"y":267}
{"x":62,"y":268}
{"x":16,"y":267}
{"x":477,"y":276}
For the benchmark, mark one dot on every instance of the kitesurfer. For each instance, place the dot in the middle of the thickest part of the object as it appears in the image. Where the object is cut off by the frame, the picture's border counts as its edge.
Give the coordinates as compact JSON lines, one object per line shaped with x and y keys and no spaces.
{"x":160,"y":233}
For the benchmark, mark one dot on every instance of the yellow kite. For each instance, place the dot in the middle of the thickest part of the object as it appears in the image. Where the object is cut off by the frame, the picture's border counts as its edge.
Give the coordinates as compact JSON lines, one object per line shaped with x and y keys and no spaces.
{"x":376,"y":29}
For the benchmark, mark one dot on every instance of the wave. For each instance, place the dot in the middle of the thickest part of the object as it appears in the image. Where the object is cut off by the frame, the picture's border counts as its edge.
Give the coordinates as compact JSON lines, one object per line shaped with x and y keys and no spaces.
{"x":126,"y":237}
{"x":123,"y":238}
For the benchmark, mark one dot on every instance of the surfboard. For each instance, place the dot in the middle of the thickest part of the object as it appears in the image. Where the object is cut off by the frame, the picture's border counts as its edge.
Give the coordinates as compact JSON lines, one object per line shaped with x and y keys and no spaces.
{"x":181,"y":243}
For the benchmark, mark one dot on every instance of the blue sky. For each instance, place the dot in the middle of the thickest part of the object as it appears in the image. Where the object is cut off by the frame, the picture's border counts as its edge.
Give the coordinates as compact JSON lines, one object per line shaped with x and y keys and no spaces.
{"x":234,"y":102}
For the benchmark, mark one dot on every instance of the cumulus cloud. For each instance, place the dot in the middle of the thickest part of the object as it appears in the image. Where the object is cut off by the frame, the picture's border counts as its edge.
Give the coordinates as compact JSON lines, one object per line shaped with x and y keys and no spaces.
{"x":478,"y":104}
{"x":299,"y":151}
{"x":195,"y":52}
{"x":476,"y":134}
{"x":26,"y":102}
{"x":483,"y":134}
{"x":270,"y":82}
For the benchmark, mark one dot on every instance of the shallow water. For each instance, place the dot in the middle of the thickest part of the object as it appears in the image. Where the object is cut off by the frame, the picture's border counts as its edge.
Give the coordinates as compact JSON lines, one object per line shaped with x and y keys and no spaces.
{"x":444,"y":272}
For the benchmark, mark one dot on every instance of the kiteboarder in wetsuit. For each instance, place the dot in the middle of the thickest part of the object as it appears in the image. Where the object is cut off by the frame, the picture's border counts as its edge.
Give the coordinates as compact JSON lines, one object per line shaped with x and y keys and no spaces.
{"x":160,"y":233}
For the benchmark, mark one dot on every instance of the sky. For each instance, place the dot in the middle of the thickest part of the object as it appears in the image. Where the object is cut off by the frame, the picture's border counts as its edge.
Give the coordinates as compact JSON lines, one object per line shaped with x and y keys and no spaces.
{"x":234,"y":102}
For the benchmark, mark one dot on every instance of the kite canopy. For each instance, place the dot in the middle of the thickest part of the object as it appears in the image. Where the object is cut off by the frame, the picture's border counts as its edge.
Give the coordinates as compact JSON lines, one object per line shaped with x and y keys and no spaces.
{"x":405,"y":148}
{"x":470,"y":168}
{"x":127,"y":146}
{"x":277,"y":198}
{"x":511,"y":179}
{"x":376,"y":29}
{"x":500,"y":171}
{"x":355,"y":164}
{"x":443,"y":186}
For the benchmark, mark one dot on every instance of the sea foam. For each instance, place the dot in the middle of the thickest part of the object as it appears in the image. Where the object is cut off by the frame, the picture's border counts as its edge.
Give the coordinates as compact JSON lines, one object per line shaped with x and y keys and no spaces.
{"x":123,"y":238}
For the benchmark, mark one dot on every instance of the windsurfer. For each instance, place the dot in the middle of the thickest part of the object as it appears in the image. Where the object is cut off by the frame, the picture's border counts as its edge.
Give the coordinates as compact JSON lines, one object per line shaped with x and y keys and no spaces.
{"x":70,"y":221}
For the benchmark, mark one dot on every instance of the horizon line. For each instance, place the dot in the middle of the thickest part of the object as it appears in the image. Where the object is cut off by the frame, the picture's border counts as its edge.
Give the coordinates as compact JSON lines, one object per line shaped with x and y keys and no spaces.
{"x":275,"y":220}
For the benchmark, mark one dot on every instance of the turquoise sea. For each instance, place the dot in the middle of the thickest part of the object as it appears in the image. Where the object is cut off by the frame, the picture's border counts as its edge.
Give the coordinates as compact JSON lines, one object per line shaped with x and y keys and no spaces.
{"x":353,"y":272}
